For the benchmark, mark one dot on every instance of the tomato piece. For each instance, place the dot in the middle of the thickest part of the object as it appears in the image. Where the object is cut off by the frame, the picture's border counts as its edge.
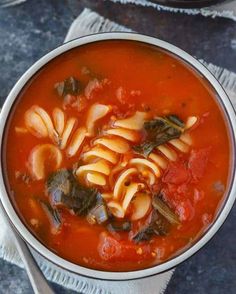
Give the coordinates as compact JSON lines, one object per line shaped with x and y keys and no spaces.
{"x":176,"y":173}
{"x":197,"y":162}
{"x":111,"y":249}
{"x":185,"y":210}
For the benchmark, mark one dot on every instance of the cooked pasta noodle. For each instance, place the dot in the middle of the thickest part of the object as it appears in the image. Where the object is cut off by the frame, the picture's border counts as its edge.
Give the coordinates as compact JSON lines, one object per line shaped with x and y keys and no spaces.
{"x":76,"y":141}
{"x":149,"y":176}
{"x":159,"y":160}
{"x":131,"y":190}
{"x":180,"y":145}
{"x":134,"y":122}
{"x":100,"y":166}
{"x":106,"y":157}
{"x":96,"y":112}
{"x":62,"y":132}
{"x":97,"y":152}
{"x":115,"y":144}
{"x":127,"y":134}
{"x":35,"y":124}
{"x":96,"y":178}
{"x":41,"y":156}
{"x":191,"y":121}
{"x":47,"y":121}
{"x":140,"y":205}
{"x":119,"y":186}
{"x":186,"y":138}
{"x":142,"y":163}
{"x":107,"y":195}
{"x":168,"y":152}
{"x":59,"y":120}
{"x":116,"y":209}
{"x":67,"y":132}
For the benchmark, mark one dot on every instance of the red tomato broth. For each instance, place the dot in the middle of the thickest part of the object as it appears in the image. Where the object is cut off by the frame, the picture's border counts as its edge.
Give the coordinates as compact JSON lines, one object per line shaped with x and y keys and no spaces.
{"x":164,"y":84}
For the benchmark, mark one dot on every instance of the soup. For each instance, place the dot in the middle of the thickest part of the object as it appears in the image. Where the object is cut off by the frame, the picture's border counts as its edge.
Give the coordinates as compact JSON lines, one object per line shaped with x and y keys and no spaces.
{"x":117,"y":155}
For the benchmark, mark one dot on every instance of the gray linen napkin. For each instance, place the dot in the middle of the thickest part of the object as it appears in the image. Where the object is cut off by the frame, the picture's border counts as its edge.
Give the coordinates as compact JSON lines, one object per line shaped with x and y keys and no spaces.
{"x":226,"y":9}
{"x":89,"y":22}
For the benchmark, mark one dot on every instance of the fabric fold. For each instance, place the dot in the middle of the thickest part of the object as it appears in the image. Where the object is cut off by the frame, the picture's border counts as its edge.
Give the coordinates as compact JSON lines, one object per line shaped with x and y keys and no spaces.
{"x":226,"y":9}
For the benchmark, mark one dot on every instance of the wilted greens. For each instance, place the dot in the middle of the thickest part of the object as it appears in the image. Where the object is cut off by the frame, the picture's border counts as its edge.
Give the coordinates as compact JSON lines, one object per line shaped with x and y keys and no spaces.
{"x":160,"y":221}
{"x":69,"y":86}
{"x":124,"y":226}
{"x":159,"y":131}
{"x":64,"y":189}
{"x":52,"y":214}
{"x":157,"y":225}
{"x":164,"y":210}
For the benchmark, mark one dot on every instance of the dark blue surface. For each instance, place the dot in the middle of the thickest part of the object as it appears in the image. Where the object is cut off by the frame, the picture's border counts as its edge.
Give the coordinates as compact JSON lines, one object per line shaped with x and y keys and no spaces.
{"x":30,"y":30}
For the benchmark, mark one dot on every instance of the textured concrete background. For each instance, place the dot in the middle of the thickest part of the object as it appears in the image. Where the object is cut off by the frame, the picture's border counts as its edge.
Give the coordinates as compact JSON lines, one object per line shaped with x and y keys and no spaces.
{"x":30,"y":30}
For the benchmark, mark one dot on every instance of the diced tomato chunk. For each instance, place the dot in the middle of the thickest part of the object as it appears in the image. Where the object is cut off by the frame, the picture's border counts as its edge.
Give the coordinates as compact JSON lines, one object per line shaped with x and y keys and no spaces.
{"x":111,"y":249}
{"x":185,"y":210}
{"x":176,"y":173}
{"x":197,"y":162}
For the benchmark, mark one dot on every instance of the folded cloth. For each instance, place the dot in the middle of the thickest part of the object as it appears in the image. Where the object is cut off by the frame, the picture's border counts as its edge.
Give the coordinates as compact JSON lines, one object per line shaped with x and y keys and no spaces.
{"x":89,"y":22}
{"x":226,"y":9}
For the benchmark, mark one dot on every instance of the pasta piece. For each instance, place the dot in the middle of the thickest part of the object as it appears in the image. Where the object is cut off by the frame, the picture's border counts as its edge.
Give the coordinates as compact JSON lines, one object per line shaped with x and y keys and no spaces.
{"x":107,"y":196}
{"x":168,"y":152}
{"x":191,"y":121}
{"x":100,"y":166}
{"x":116,"y":209}
{"x":21,"y":130}
{"x":96,"y":112}
{"x":67,"y":132}
{"x":116,"y":169}
{"x":178,"y":144}
{"x":119,"y":186}
{"x":48,"y":122}
{"x":141,"y":205}
{"x":76,"y":141}
{"x":96,"y":178}
{"x":44,"y":155}
{"x":150,"y":176}
{"x":144,"y":163}
{"x":35,"y":124}
{"x":160,"y":161}
{"x":59,"y":120}
{"x":115,"y":144}
{"x":186,"y":138}
{"x":98,"y":152}
{"x":134,"y":122}
{"x":131,"y":190}
{"x":129,"y":135}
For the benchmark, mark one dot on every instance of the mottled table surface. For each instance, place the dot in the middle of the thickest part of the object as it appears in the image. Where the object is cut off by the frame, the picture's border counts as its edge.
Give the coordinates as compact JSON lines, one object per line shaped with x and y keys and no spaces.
{"x":31,"y":29}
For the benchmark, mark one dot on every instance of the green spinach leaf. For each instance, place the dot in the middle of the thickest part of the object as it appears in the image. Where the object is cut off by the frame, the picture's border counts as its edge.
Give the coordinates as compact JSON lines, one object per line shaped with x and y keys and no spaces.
{"x":157,"y":225}
{"x":65,"y":190}
{"x":69,"y":86}
{"x":159,"y":131}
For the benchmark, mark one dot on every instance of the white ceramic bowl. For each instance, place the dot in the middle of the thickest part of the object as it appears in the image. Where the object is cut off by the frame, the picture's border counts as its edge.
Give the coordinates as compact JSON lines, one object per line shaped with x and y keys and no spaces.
{"x":230,"y":118}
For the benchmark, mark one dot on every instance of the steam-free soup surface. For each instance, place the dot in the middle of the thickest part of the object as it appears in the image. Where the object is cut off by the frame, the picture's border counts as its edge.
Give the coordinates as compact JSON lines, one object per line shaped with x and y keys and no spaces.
{"x":117,"y":156}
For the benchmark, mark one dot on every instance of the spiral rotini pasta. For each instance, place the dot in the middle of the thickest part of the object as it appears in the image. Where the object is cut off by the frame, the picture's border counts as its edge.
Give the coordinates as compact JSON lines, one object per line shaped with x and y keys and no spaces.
{"x":109,"y":162}
{"x":107,"y":155}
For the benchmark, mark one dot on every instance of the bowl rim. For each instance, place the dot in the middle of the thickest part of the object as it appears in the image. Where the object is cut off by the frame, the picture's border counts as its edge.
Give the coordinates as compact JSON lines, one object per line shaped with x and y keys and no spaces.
{"x":169,"y":264}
